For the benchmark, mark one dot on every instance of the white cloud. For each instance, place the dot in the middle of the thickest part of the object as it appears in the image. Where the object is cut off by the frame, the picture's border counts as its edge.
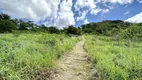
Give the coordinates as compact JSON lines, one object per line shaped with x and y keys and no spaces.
{"x":65,"y":15}
{"x":140,"y":1}
{"x":116,"y":1}
{"x":105,"y":11}
{"x":32,"y":9}
{"x":135,"y":19}
{"x":95,"y":11}
{"x":90,"y":4}
{"x":37,"y":10}
{"x":126,"y":12}
{"x":86,"y":21}
{"x":82,"y":16}
{"x":86,"y":5}
{"x":93,"y":6}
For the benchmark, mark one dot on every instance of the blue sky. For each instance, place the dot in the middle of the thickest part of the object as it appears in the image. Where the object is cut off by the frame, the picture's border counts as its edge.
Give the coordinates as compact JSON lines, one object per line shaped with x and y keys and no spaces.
{"x":62,"y":13}
{"x":121,"y":12}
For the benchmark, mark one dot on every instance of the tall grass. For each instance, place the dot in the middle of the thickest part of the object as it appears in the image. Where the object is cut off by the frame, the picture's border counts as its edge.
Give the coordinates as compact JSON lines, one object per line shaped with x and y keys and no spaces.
{"x":115,"y":60}
{"x":23,"y":55}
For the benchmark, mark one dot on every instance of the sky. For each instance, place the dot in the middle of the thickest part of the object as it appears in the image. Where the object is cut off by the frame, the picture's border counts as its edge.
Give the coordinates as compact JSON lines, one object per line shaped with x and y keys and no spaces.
{"x":61,"y":13}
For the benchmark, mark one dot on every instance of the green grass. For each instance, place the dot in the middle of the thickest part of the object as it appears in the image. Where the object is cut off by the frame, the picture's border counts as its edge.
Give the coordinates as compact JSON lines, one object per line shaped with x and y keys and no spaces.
{"x":23,"y":55}
{"x":115,"y":59}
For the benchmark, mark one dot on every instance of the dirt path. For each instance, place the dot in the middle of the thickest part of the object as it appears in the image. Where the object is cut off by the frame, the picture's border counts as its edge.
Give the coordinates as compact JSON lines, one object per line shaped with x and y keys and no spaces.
{"x":74,"y":65}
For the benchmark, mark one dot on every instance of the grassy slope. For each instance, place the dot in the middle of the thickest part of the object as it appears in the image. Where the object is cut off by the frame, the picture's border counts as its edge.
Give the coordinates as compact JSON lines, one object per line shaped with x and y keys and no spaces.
{"x":115,"y":60}
{"x":24,"y":55}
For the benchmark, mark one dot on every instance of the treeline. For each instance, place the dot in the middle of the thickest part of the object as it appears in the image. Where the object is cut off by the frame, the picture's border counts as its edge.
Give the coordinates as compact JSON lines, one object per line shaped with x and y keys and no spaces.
{"x":11,"y":25}
{"x":107,"y":27}
{"x":115,"y":28}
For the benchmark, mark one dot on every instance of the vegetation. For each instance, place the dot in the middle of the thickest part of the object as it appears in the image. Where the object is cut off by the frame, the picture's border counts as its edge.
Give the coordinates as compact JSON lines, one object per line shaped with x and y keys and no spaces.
{"x":72,"y":30}
{"x":115,"y":49}
{"x":107,"y":27}
{"x":115,"y":59}
{"x":6,"y":25}
{"x":24,"y":55}
{"x":28,"y":48}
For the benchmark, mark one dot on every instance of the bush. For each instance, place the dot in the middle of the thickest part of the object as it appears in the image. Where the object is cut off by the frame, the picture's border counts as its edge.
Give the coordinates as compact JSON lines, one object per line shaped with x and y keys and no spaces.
{"x":53,"y":30}
{"x":7,"y":26}
{"x":134,"y":32}
{"x":72,"y":30}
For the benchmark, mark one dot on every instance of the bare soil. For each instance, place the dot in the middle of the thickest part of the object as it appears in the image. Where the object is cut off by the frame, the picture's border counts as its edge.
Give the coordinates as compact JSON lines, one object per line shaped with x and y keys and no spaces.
{"x":74,"y":65}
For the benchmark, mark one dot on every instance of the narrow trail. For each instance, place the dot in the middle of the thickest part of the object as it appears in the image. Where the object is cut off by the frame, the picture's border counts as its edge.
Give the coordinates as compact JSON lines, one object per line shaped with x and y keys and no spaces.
{"x":74,"y":65}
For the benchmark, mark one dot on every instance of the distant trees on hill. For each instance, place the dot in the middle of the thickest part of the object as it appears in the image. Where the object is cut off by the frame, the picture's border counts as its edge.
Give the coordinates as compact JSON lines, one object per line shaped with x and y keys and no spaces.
{"x":106,"y":27}
{"x":72,"y":30}
{"x":6,"y":24}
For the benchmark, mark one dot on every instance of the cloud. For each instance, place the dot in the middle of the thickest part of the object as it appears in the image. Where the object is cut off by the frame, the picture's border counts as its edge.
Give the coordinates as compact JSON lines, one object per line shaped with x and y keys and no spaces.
{"x":90,"y":4}
{"x":86,"y":21}
{"x":82,"y":16}
{"x":115,"y":1}
{"x":66,"y":15}
{"x":93,"y":6}
{"x":126,"y":12}
{"x":105,"y":11}
{"x":86,"y":6}
{"x":140,"y":1}
{"x":32,"y":9}
{"x":95,"y":11}
{"x":41,"y":10}
{"x":58,"y":12}
{"x":135,"y":19}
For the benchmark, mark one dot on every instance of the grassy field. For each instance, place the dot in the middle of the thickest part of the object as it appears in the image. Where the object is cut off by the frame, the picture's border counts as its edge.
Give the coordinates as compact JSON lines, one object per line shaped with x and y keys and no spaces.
{"x":115,"y":59}
{"x":23,"y":55}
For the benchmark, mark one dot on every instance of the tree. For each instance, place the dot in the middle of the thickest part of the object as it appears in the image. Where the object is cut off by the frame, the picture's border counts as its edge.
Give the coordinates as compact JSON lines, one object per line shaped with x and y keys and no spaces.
{"x":133,"y":32}
{"x":7,"y":26}
{"x":53,"y":29}
{"x":72,"y":30}
{"x":25,"y":25}
{"x":4,"y":16}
